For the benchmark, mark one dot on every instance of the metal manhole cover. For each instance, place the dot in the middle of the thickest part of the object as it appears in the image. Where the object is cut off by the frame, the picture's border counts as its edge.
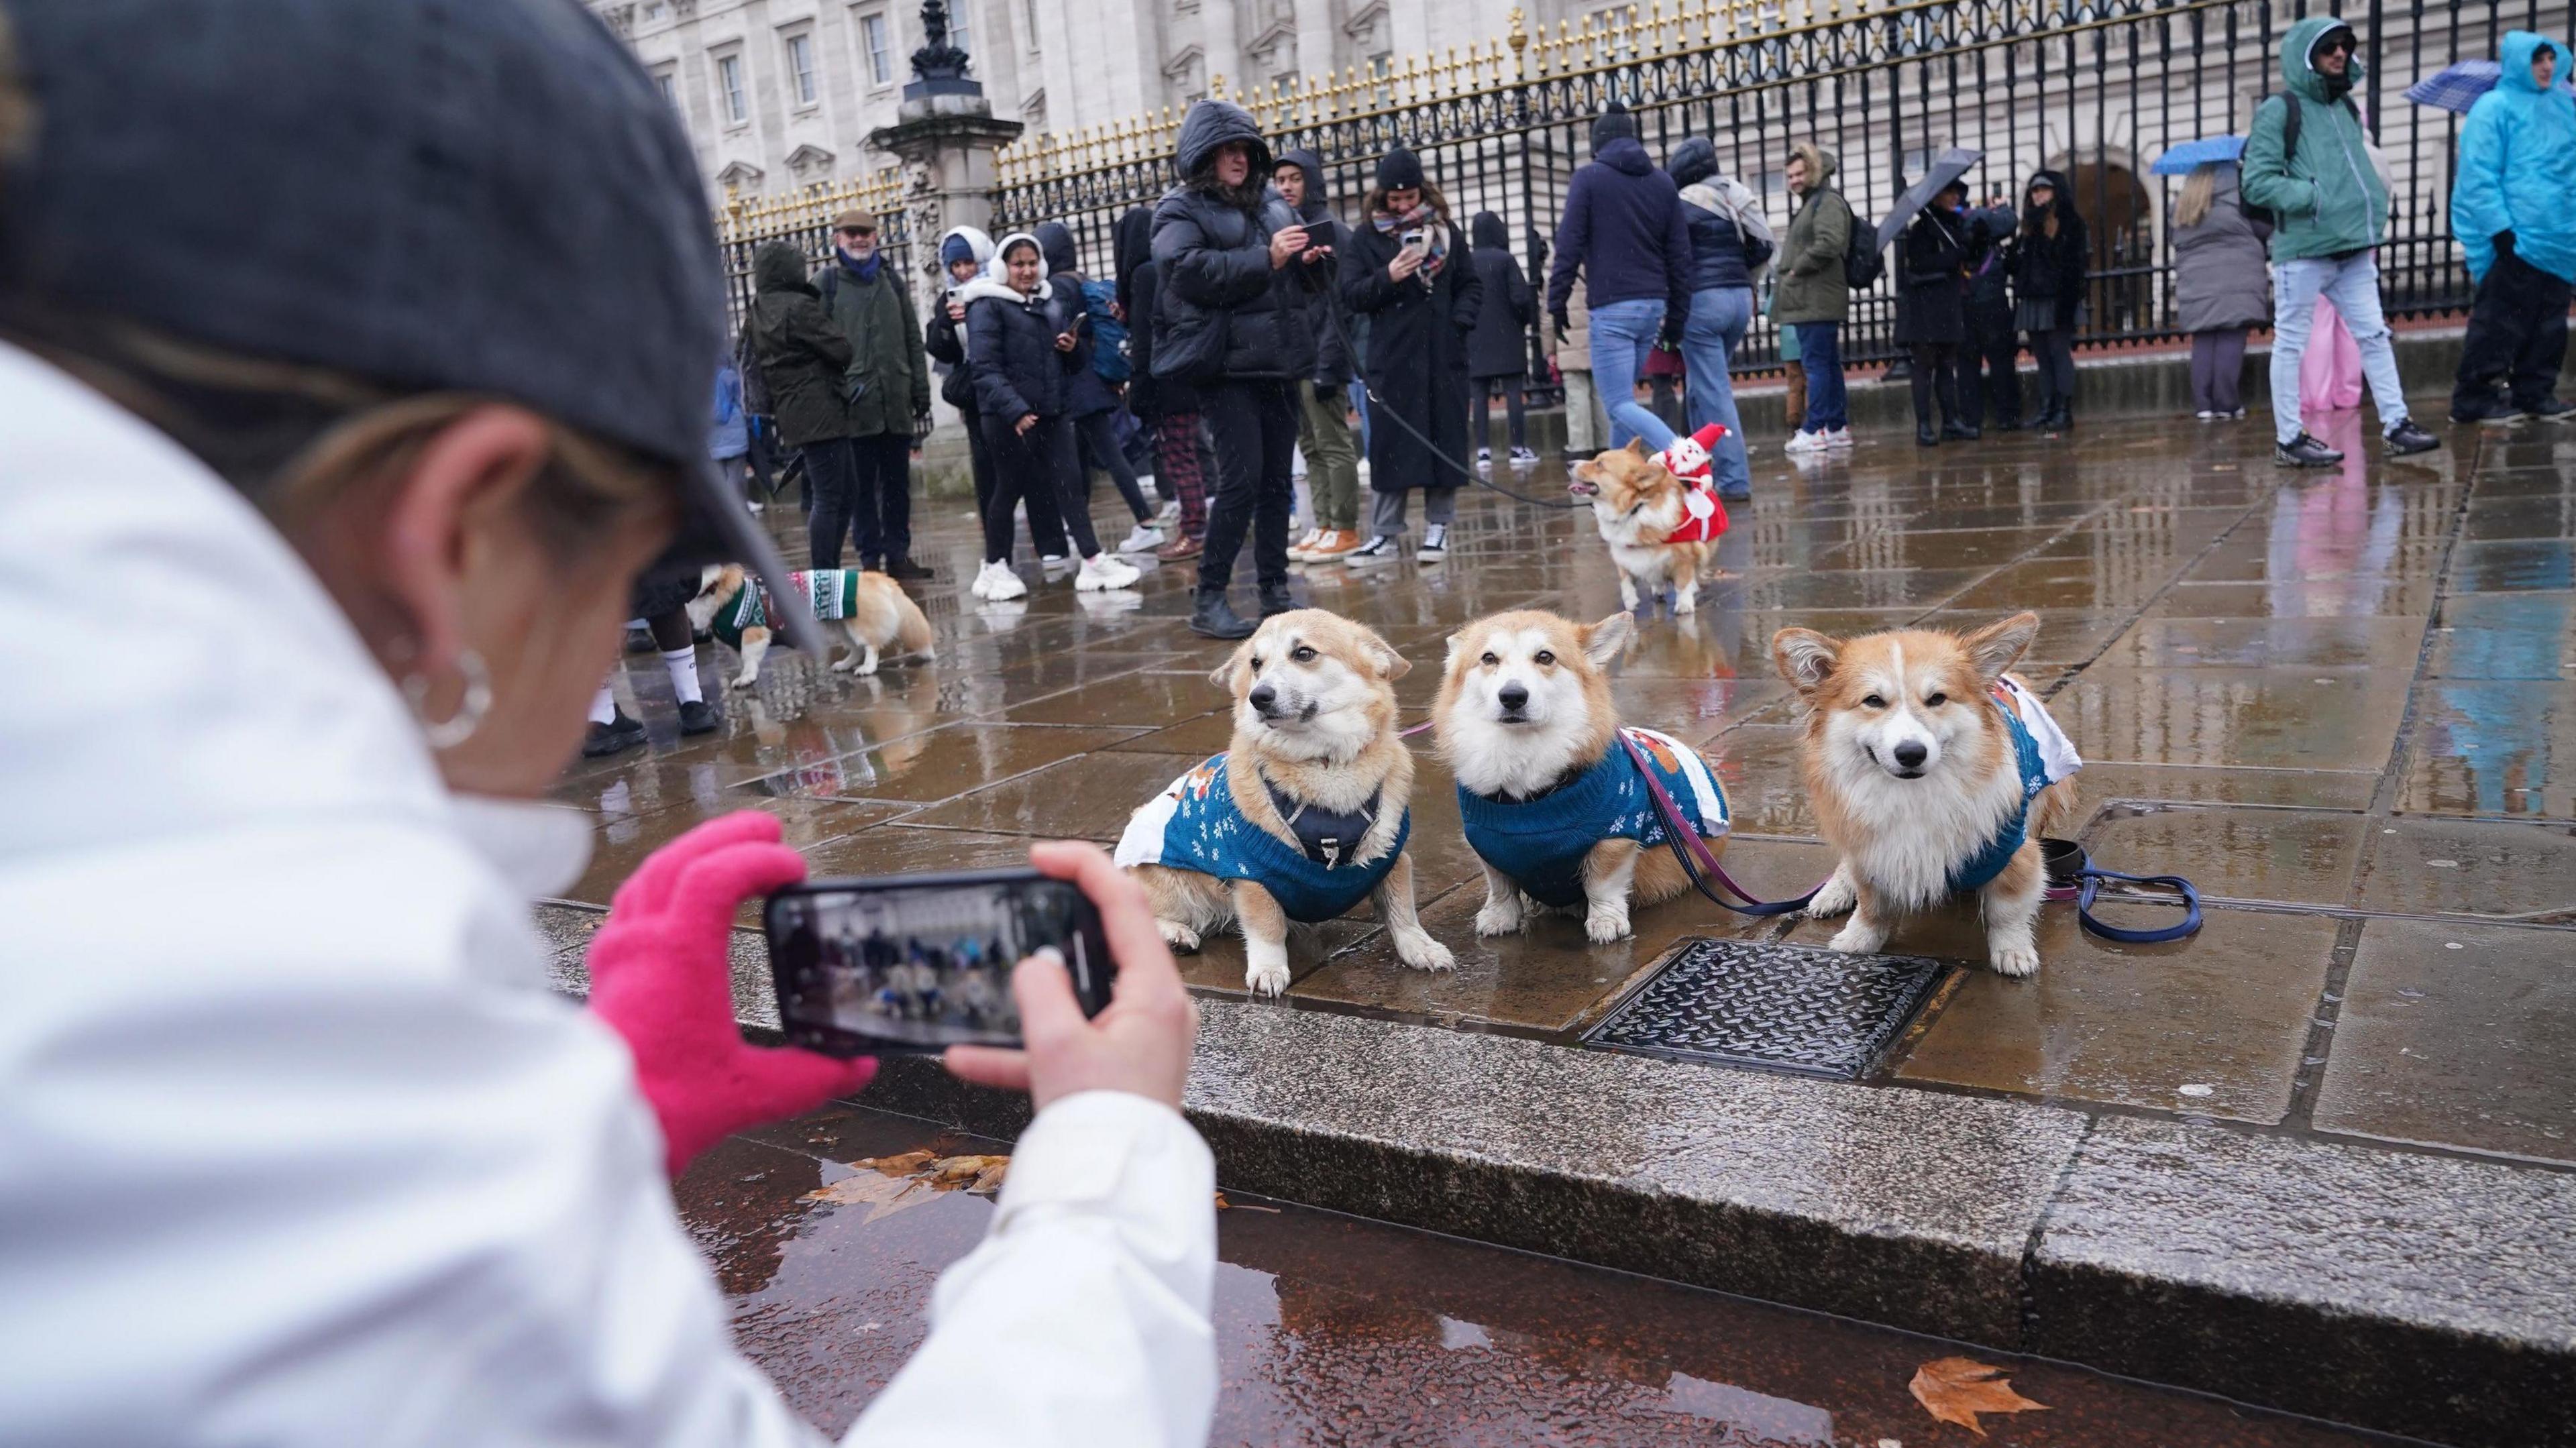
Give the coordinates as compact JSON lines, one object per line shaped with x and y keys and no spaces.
{"x":1785,"y":1007}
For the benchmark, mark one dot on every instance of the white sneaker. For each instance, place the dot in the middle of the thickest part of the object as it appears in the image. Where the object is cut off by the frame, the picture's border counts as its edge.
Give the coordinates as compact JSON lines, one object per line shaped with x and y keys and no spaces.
{"x":2206,"y":416}
{"x":1524,"y":458}
{"x":1435,"y":543}
{"x":1379,"y":549}
{"x":1145,"y":538}
{"x":1838,"y":438}
{"x":1802,"y":442}
{"x":1104,"y":570}
{"x":1484,"y":458}
{"x":999,"y":583}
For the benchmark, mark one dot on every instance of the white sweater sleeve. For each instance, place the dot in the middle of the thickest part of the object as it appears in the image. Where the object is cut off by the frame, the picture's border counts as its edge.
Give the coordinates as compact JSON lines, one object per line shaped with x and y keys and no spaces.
{"x":1082,"y":1318}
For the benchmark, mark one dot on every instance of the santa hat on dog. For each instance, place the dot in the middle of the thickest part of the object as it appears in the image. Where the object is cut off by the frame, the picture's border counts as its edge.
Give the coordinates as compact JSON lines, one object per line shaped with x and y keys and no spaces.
{"x":1687,"y":458}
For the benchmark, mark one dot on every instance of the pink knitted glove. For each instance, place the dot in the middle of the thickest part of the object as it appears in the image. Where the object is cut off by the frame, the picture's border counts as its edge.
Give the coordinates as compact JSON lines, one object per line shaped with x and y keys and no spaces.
{"x":659,"y":978}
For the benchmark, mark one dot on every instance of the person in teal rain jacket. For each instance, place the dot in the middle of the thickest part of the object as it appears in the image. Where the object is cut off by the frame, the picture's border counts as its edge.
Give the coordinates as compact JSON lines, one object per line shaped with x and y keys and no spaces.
{"x":2511,"y":210}
{"x":2332,"y":210}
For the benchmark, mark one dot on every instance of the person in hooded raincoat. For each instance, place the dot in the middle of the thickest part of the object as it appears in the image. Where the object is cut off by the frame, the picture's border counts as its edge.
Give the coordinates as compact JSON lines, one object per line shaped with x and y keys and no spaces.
{"x":1624,"y":232}
{"x":1498,"y":347}
{"x":1081,"y":306}
{"x":2330,"y":205}
{"x":2513,"y":208}
{"x":1324,"y":433}
{"x":965,"y":253}
{"x":1409,"y":271}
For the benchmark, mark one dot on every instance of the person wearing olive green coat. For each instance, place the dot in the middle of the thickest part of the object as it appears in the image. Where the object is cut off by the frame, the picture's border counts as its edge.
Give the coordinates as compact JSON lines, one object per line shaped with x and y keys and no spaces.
{"x":2331,"y":207}
{"x":886,"y":389}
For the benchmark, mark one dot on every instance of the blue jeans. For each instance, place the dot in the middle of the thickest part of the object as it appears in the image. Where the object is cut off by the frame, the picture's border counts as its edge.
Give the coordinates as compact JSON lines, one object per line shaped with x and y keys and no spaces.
{"x":2353,"y":286}
{"x":1718,"y":319}
{"x":1622,"y":333}
{"x":1820,"y":351}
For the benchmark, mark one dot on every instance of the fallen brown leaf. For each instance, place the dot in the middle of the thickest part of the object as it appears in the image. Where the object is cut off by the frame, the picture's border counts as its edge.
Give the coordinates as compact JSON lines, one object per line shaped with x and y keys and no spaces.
{"x":989,"y":1180}
{"x":1222,"y":1204}
{"x":883,"y":1196}
{"x":904,"y":1165}
{"x":1957,"y":1389}
{"x":957,"y":1171}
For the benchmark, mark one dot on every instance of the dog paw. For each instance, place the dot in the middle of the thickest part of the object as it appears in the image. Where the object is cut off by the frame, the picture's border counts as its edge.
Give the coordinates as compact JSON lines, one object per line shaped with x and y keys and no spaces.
{"x":745,"y":679}
{"x":864,"y":670}
{"x":1627,"y":595}
{"x":1416,"y":948}
{"x":1266,"y":980}
{"x":1687,"y":600}
{"x":1178,"y":936}
{"x":1499,"y":917}
{"x":1836,"y":898}
{"x":1605,"y":923}
{"x":1853,"y":940}
{"x":2015,"y":959}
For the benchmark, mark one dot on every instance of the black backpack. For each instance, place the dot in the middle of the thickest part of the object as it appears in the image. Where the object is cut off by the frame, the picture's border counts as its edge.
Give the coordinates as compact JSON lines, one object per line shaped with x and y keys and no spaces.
{"x":1863,"y":263}
{"x":2264,"y":215}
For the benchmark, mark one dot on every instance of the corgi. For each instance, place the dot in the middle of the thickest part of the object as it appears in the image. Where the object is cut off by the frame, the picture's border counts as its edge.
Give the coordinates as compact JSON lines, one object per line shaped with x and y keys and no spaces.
{"x":1932,"y":771}
{"x":1661,"y":529}
{"x":1306,"y":812}
{"x":873,"y":613}
{"x":1554,"y":804}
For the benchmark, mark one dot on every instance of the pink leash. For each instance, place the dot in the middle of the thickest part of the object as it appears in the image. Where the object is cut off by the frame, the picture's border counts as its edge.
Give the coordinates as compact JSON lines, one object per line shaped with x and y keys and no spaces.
{"x":1693,"y":852}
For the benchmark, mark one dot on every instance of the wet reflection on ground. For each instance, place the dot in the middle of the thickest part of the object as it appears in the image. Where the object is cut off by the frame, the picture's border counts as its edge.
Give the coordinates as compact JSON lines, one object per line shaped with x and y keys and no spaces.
{"x":1332,"y":1330}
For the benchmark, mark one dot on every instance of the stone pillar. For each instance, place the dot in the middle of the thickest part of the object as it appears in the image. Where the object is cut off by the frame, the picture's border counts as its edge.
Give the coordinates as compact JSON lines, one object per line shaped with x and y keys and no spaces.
{"x":946,"y":135}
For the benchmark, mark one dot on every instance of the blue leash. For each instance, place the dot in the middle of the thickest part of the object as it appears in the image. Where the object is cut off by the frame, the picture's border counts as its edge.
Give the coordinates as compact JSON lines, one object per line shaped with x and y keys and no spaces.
{"x":2073,"y":876}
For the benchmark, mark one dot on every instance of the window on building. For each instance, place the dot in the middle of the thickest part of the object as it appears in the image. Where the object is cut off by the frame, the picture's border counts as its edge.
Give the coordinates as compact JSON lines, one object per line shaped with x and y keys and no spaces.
{"x":800,"y":67}
{"x":961,"y":24}
{"x":1381,"y":66}
{"x":729,"y":92}
{"x":879,"y":47}
{"x":662,"y":81}
{"x":652,"y":11}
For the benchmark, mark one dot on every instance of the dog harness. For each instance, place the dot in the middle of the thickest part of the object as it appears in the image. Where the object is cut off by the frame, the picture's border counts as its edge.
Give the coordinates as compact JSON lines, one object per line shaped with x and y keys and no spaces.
{"x":833,"y":593}
{"x":1194,"y":825}
{"x":1541,"y":842}
{"x":1687,"y":459}
{"x":2043,"y":755}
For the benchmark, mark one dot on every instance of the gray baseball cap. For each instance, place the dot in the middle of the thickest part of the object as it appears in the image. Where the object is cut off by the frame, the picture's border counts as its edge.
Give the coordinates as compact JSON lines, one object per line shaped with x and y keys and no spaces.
{"x":450,"y":195}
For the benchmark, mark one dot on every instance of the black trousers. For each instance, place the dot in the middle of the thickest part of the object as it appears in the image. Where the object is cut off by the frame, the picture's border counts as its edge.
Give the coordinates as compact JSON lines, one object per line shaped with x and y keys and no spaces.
{"x":1989,"y":384}
{"x":2054,"y":351}
{"x":2517,"y":335}
{"x":1254,"y":426}
{"x":1098,"y":433}
{"x":1515,"y":411}
{"x":1025,"y":467}
{"x":1046,"y":527}
{"x":881,"y":498}
{"x":831,"y":475}
{"x":1936,"y":373}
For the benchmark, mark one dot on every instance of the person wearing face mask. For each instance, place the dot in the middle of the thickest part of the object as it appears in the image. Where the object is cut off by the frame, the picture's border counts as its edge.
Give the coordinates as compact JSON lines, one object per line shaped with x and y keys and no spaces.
{"x":319,"y":566}
{"x":2330,"y":209}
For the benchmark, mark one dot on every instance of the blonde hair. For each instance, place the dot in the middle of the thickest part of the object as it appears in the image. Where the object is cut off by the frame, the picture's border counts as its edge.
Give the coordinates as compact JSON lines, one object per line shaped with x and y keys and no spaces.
{"x":294,"y":439}
{"x":2198,"y":195}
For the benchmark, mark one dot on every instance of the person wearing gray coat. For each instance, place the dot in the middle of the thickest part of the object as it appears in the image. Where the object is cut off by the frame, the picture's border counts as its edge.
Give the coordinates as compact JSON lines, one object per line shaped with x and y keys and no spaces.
{"x":2222,"y":285}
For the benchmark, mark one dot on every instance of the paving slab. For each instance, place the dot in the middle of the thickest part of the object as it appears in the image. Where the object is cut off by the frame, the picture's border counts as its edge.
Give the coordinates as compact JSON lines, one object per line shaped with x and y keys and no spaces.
{"x":2505,"y":636}
{"x":2343,"y":789}
{"x":2197,"y":643}
{"x":2419,"y":1294}
{"x":2457,"y":1035}
{"x":2277,"y":718}
{"x":2493,"y":747}
{"x":2431,"y":866}
{"x":2300,"y":857}
{"x":941,"y":763}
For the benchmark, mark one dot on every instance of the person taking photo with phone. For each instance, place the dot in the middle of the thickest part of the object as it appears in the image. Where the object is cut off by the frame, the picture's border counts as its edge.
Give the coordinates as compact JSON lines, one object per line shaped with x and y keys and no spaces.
{"x":297,"y":1144}
{"x":1408,"y":272}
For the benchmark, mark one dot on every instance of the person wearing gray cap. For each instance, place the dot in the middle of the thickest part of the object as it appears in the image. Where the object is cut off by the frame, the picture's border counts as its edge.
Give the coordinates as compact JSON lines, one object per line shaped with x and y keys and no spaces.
{"x":313,"y":561}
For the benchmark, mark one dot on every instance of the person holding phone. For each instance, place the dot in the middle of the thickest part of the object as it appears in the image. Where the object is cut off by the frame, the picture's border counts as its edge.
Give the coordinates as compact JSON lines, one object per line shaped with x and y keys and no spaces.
{"x":1409,"y":271}
{"x":300,"y":1145}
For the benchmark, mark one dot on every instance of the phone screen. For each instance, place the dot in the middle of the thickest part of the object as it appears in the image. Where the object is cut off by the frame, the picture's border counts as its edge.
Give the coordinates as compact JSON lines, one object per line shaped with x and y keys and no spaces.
{"x":923,"y":962}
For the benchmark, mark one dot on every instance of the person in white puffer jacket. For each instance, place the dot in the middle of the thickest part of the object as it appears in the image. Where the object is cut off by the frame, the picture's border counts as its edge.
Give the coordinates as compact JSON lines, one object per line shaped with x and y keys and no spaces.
{"x":296,"y":1144}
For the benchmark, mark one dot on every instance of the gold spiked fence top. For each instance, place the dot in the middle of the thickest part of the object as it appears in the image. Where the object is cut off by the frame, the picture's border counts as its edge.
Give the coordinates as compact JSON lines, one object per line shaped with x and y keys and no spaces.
{"x":753,"y":218}
{"x":1599,"y":41}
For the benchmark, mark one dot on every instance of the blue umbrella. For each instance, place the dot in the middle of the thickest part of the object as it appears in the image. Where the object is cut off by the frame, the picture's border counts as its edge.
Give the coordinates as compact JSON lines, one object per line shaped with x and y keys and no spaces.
{"x":2182,"y":160}
{"x":2457,"y":86}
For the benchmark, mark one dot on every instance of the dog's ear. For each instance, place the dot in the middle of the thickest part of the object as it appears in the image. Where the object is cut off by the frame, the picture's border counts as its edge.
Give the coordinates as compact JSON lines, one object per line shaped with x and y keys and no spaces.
{"x":1603,"y":641}
{"x":1994,"y":647}
{"x":1805,"y":657}
{"x":1390,"y":664}
{"x":1223,"y":674}
{"x":1637,"y":448}
{"x":1457,"y":646}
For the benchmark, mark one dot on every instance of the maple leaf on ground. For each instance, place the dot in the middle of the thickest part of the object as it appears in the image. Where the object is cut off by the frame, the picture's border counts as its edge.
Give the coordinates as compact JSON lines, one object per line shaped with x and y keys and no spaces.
{"x":1957,"y":1389}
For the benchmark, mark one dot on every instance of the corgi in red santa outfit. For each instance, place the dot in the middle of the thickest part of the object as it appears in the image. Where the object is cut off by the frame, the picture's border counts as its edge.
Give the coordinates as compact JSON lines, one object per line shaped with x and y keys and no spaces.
{"x":1658,"y":511}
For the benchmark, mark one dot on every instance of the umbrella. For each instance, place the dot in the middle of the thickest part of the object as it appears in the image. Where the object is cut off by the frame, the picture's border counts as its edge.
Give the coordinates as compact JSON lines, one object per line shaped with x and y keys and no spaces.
{"x":2457,"y":86}
{"x":2182,"y":160}
{"x":1947,"y":167}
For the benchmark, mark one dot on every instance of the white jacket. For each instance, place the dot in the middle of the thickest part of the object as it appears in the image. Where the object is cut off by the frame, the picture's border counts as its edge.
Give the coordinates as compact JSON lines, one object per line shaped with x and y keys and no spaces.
{"x":295,"y":1145}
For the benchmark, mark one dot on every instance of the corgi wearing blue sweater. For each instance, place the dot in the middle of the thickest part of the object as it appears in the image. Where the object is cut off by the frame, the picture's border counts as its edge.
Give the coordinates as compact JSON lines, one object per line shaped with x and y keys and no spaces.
{"x":1551,"y":787}
{"x":1306,"y":813}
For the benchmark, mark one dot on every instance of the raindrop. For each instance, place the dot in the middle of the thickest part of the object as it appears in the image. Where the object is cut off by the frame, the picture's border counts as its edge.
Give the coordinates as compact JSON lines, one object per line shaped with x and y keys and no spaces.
{"x":2325,"y":681}
{"x":2388,"y":832}
{"x":2441,"y":864}
{"x":2453,"y":945}
{"x":2195,"y":1090}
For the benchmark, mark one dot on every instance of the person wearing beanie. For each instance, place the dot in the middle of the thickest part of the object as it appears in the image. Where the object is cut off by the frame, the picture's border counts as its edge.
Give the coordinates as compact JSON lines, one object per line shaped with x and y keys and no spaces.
{"x":1624,"y":232}
{"x":1408,"y":272}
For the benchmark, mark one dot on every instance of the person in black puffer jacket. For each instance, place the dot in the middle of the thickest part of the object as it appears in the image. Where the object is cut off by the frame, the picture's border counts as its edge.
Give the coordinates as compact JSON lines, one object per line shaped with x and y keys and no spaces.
{"x":2046,"y":259}
{"x":1024,"y":386}
{"x":1232,"y":320}
{"x":1092,"y":401}
{"x":1167,"y":406}
{"x":964,"y":253}
{"x":1498,"y":348}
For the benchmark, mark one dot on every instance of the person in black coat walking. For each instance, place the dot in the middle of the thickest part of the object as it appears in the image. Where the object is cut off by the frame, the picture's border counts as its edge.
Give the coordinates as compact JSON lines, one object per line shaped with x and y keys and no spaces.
{"x":1412,"y":273}
{"x":1989,"y":379}
{"x":1023,"y":361}
{"x":1498,"y":347}
{"x":1167,"y":406}
{"x":1934,"y":322}
{"x":1232,"y":321}
{"x":2047,"y":261}
{"x":1092,"y":402}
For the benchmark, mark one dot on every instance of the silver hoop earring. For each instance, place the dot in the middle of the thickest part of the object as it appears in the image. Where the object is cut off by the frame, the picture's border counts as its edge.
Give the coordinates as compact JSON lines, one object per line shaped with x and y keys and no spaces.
{"x":456,"y":728}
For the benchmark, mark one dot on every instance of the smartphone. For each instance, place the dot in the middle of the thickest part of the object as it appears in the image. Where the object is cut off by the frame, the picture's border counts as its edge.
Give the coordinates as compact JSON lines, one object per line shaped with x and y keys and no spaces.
{"x":919,"y":963}
{"x":1416,"y":239}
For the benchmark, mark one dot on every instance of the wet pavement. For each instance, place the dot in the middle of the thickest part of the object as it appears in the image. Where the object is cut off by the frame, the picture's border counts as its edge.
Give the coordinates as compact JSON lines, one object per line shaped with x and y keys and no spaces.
{"x":2340,"y":701}
{"x":1333,"y":1330}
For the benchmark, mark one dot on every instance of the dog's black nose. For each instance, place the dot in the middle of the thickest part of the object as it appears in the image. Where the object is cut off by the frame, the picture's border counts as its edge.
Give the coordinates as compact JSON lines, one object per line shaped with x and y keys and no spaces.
{"x":1513,"y":697}
{"x":1262,"y":696}
{"x":1911,"y":755}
